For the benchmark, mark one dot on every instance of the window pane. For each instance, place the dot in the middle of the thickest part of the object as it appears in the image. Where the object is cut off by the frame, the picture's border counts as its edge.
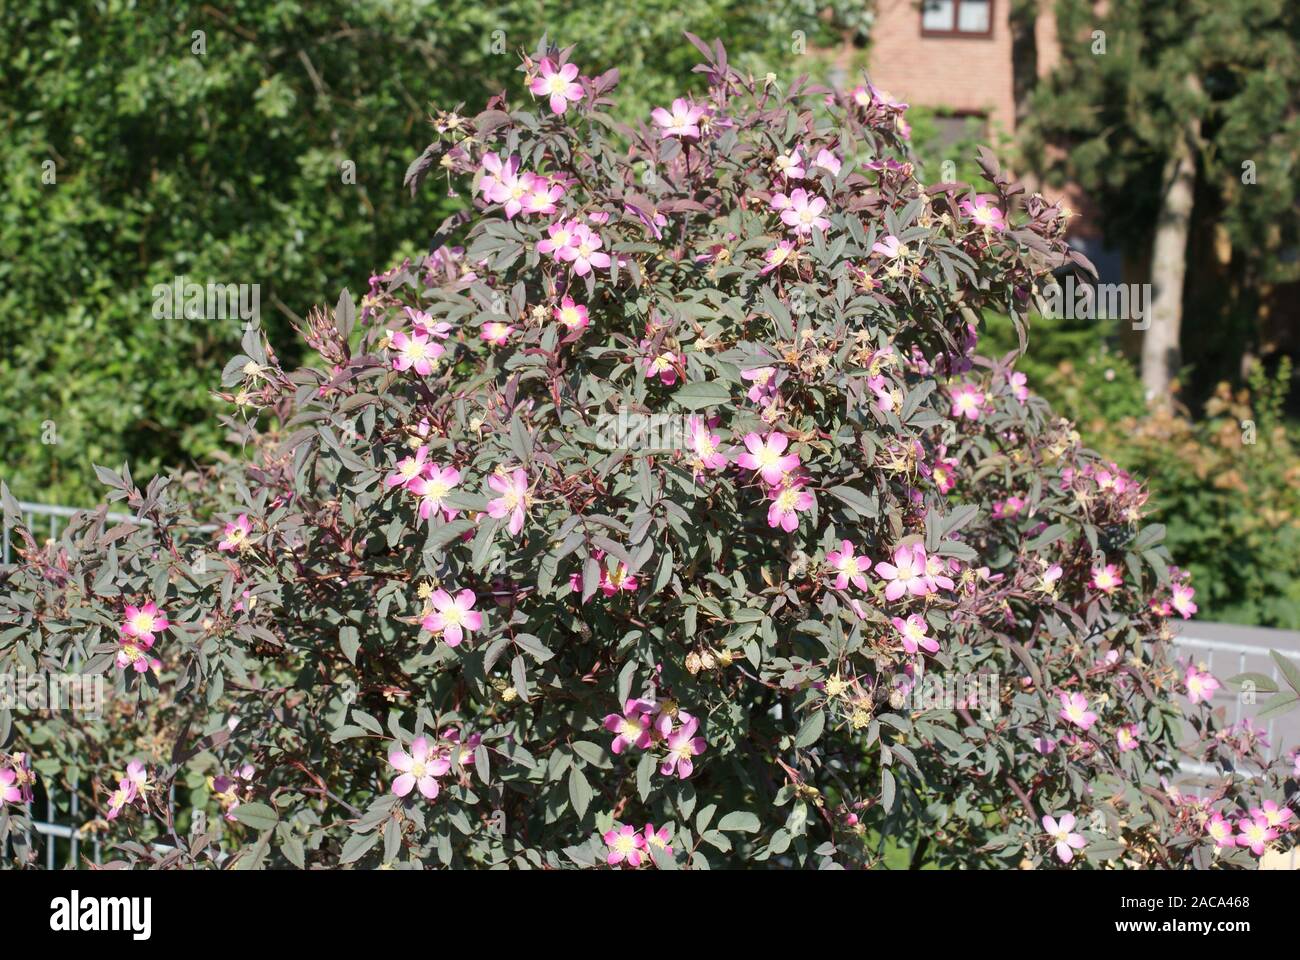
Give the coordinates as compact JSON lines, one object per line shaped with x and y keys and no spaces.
{"x":937,"y":15}
{"x":973,"y":16}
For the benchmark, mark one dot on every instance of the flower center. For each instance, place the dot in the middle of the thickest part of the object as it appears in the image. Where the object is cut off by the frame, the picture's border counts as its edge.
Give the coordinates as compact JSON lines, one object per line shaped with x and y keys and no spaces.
{"x":142,"y":622}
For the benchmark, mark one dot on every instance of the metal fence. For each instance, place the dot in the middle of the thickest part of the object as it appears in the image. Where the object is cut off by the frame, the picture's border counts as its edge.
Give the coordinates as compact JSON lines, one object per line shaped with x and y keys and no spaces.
{"x":1226,"y":649}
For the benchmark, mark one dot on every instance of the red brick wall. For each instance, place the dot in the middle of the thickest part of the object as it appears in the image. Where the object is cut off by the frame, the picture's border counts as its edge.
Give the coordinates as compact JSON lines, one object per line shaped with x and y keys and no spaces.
{"x":964,"y":74}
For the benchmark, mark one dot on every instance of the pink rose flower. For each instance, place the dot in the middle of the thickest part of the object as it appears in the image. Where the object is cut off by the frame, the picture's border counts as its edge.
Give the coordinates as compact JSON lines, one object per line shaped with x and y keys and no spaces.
{"x":1066,"y":841}
{"x":557,"y":83}
{"x":848,"y":566}
{"x":419,"y":768}
{"x":453,"y":617}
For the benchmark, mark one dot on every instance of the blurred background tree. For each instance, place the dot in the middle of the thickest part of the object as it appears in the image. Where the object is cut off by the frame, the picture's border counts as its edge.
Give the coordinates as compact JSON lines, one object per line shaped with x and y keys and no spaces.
{"x":1181,"y":121}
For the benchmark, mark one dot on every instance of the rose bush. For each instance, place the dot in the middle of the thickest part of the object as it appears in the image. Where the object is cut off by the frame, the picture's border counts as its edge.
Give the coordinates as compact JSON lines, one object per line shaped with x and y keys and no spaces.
{"x":664,"y":515}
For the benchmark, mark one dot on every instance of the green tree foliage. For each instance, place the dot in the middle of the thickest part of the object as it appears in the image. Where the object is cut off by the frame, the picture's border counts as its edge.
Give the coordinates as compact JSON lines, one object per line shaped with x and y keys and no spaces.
{"x":227,"y":166}
{"x":1129,"y":86}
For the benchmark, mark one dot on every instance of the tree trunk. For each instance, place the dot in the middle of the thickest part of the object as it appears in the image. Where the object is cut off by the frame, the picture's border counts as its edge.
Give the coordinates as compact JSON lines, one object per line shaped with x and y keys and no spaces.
{"x":1161,"y":357}
{"x":1023,"y":21}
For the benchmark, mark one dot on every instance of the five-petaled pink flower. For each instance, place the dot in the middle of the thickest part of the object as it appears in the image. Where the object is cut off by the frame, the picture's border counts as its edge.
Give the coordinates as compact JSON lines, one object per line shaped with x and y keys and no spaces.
{"x":1126,"y":737}
{"x":944,"y":474}
{"x":1182,"y":600}
{"x":584,"y":251}
{"x":625,"y":844}
{"x":1221,"y":831}
{"x":558,"y":83}
{"x":1008,"y":508}
{"x":790,"y":165}
{"x":415,"y":352}
{"x":1074,"y":709}
{"x":1106,"y":579}
{"x":704,"y":444}
{"x":503,"y":183}
{"x":789,"y":499}
{"x":658,"y":839}
{"x":541,"y":195}
{"x":801,"y":211}
{"x":10,"y":791}
{"x":768,"y":457}
{"x":889,"y":246}
{"x":982,"y":211}
{"x":513,"y":501}
{"x":907,"y":574}
{"x":1200,"y":685}
{"x":409,"y":470}
{"x":235,"y":535}
{"x":828,"y":161}
{"x":1066,"y":841}
{"x":1274,"y":815}
{"x":419,"y":768}
{"x":1019,"y":386}
{"x":496,"y":333}
{"x":763,"y":388}
{"x":912,"y":632}
{"x":133,"y":654}
{"x":682,"y":121}
{"x":572,"y":316}
{"x":782,"y":253}
{"x":453,"y":617}
{"x":662,"y":365}
{"x":1256,"y":834}
{"x":559,"y":237}
{"x":632,"y":727}
{"x":432,"y":490}
{"x":119,"y":798}
{"x":142,"y":623}
{"x":683,"y":747}
{"x":967,"y":401}
{"x":849,"y":567}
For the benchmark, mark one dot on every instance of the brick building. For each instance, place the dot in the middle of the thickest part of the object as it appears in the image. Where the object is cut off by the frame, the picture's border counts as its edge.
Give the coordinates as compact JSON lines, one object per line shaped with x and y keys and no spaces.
{"x":954,"y":55}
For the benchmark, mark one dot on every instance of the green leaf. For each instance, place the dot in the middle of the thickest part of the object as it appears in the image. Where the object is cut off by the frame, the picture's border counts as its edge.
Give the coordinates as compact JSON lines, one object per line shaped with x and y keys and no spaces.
{"x":810,"y":731}
{"x":1289,"y":670}
{"x":256,"y":815}
{"x":349,"y":642}
{"x":858,"y":501}
{"x":534,"y":647}
{"x":1276,"y":706}
{"x":579,"y":792}
{"x":702,"y":393}
{"x":739,"y":821}
{"x":644,"y":769}
{"x":1263,"y":682}
{"x":358,"y":845}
